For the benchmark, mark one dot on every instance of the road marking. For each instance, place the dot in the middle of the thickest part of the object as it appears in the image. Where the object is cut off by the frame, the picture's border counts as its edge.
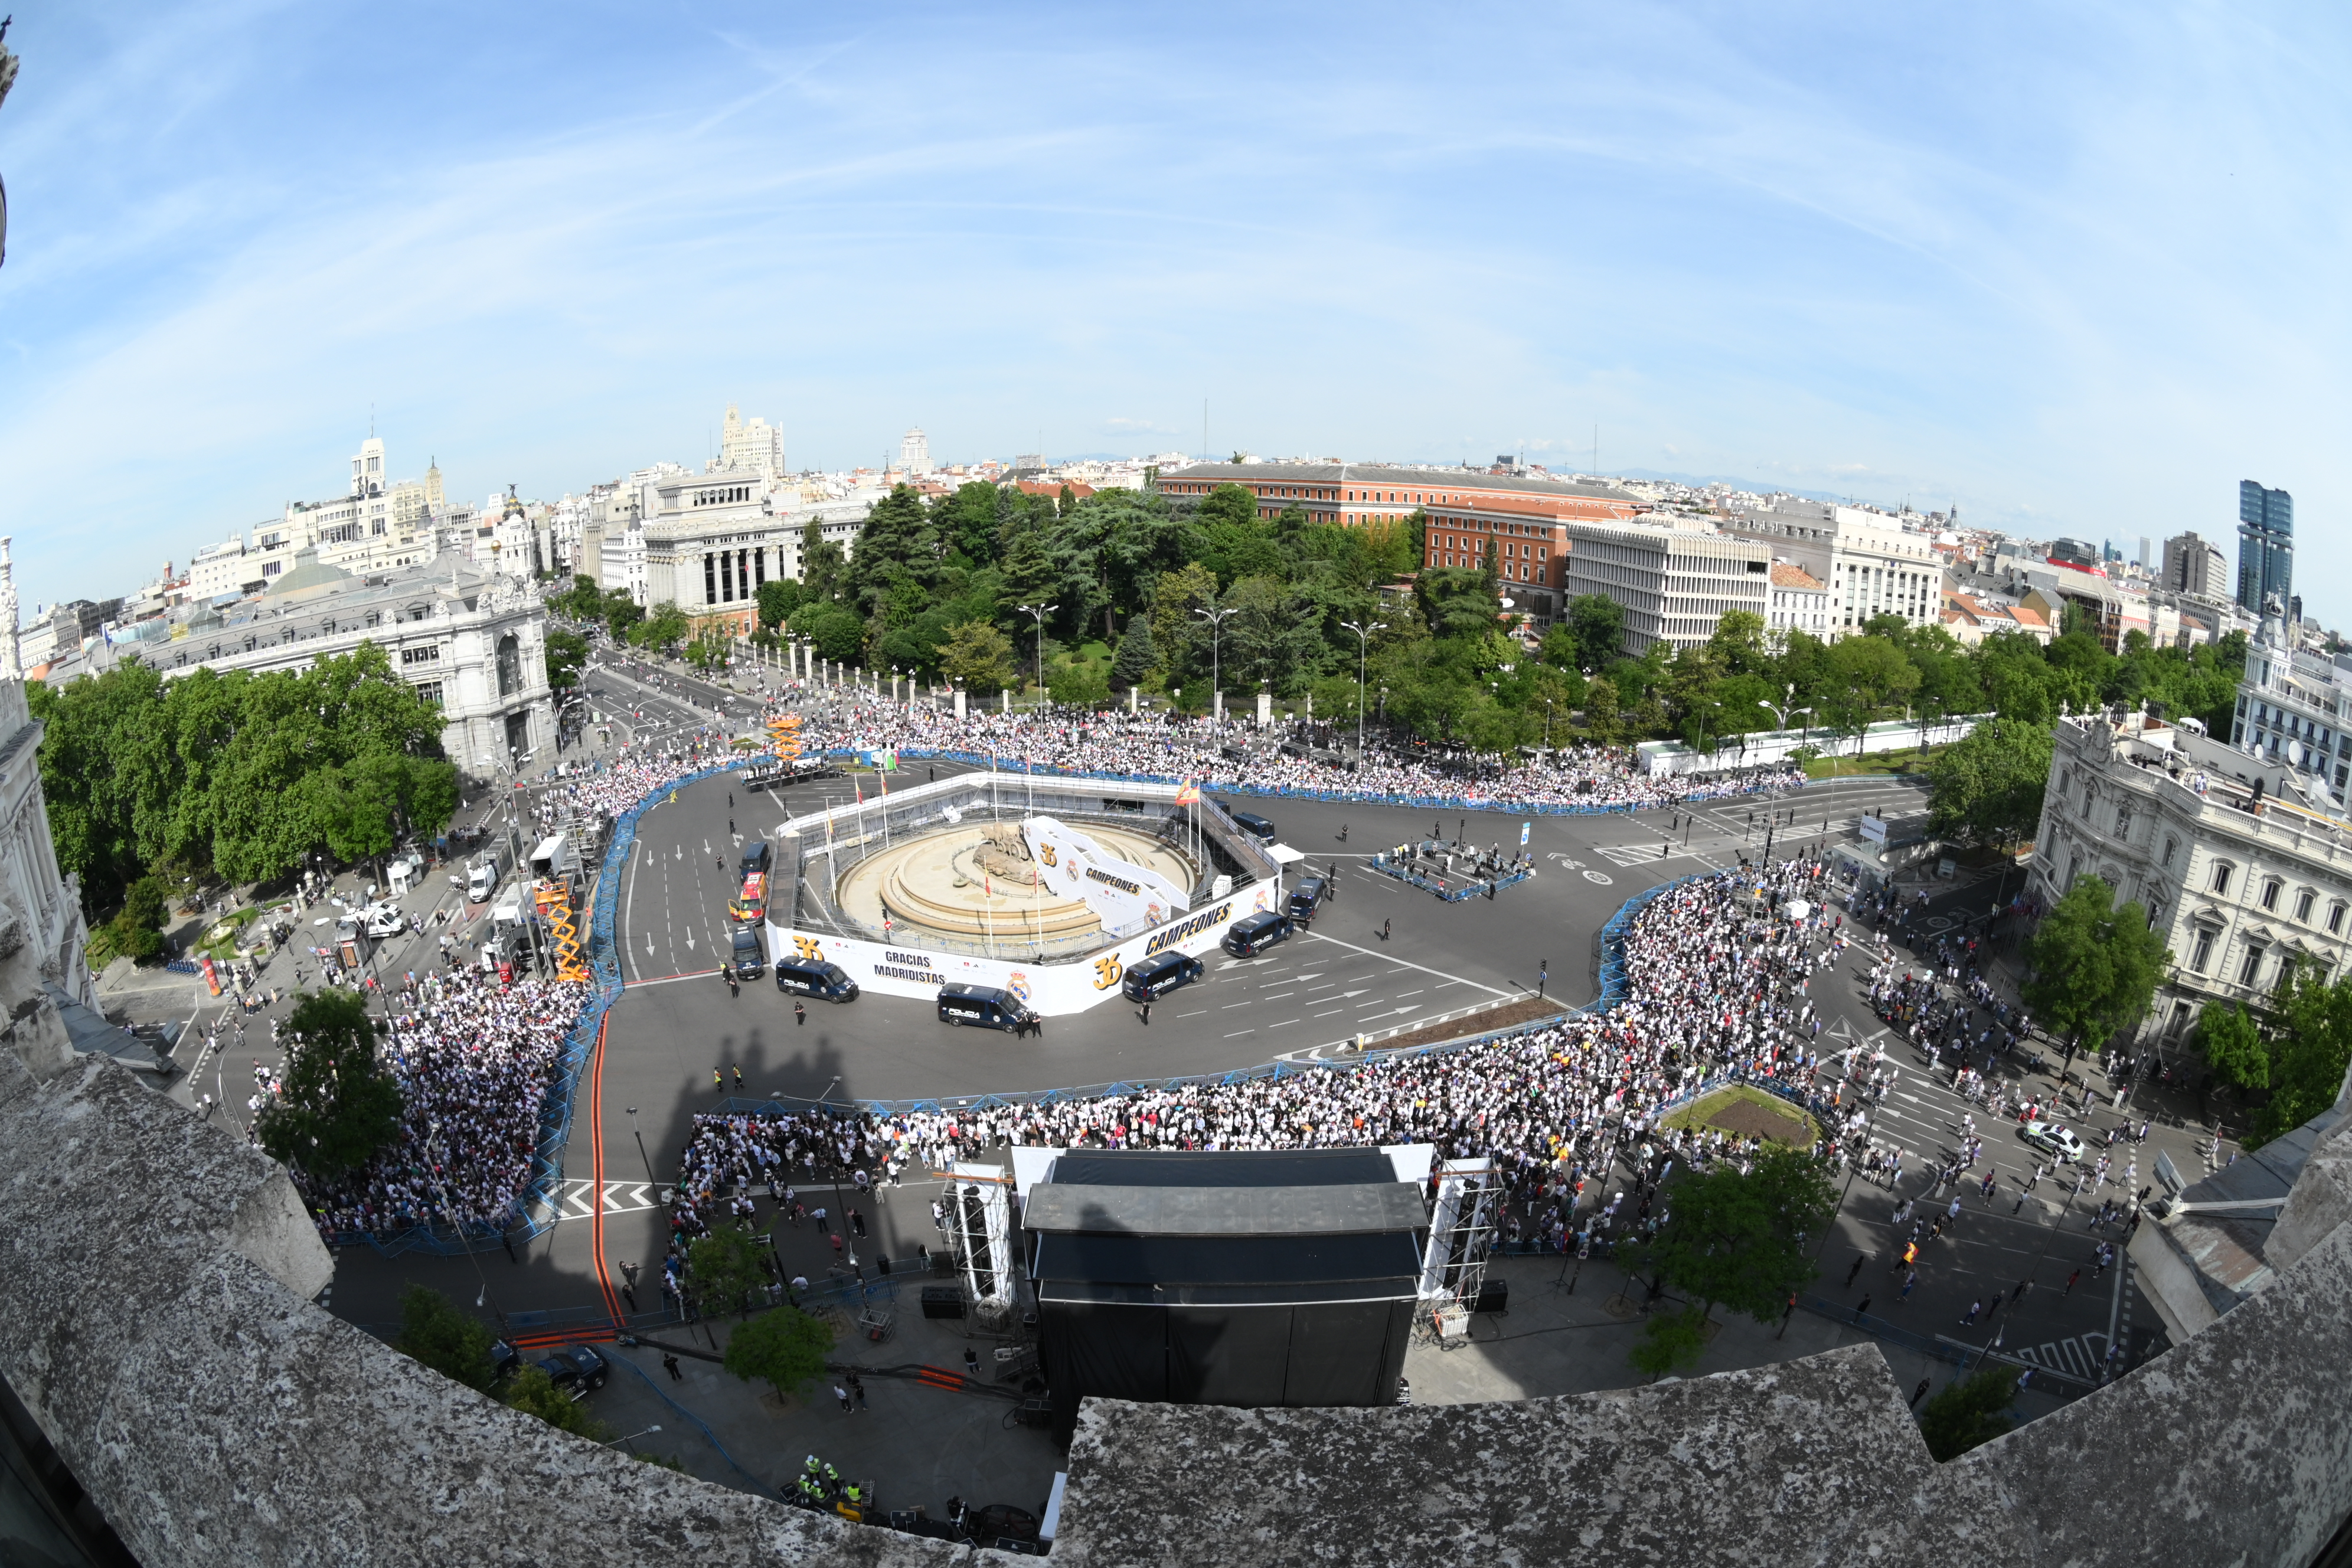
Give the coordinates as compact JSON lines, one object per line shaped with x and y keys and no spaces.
{"x":1403,"y":995}
{"x":1237,"y":1034}
{"x":1194,"y":1013}
{"x":1231,"y":1006}
{"x":1284,"y":1021}
{"x":1277,"y":996}
{"x":1332,"y":1013}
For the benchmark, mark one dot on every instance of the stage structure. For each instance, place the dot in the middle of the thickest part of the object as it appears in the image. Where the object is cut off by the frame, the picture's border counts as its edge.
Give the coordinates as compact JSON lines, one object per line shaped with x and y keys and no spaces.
{"x":1247,"y":1279}
{"x":980,"y":1228}
{"x":1046,"y":888}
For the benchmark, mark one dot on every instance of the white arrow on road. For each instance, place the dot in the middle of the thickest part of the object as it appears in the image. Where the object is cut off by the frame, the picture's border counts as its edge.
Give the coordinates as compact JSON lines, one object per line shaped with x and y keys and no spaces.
{"x":649,"y":944}
{"x":689,"y":938}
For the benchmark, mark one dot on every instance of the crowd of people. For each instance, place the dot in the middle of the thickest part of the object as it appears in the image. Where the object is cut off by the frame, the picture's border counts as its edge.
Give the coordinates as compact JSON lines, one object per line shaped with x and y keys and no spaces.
{"x":474,"y":1059}
{"x":1716,"y":971}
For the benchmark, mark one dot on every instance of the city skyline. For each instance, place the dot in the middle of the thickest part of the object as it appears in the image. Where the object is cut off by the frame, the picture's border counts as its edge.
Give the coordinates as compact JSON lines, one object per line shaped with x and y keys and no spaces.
{"x":546,"y":261}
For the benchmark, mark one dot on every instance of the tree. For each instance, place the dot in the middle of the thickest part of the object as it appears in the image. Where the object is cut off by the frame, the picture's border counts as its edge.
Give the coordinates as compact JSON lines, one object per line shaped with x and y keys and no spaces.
{"x":1745,"y":1240}
{"x":1598,"y":623}
{"x":1132,"y":664}
{"x":621,"y":612}
{"x":434,"y":1332}
{"x":2311,"y":1045}
{"x":1082,"y":683}
{"x":534,"y":1393}
{"x":1989,"y":786}
{"x":565,"y":653}
{"x":779,"y":597}
{"x":662,"y":628}
{"x":2096,"y":966}
{"x":137,"y":934}
{"x":1457,"y":602}
{"x":785,"y":1348}
{"x":837,"y":634}
{"x":979,"y":657}
{"x":1967,"y":1413}
{"x":2233,"y":1047}
{"x":1671,"y":1340}
{"x":339,"y":1106}
{"x":726,"y":1266}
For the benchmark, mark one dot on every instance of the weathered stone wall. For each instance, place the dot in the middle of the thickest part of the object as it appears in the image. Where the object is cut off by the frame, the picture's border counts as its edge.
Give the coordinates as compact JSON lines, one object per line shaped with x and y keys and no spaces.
{"x":161,"y":1333}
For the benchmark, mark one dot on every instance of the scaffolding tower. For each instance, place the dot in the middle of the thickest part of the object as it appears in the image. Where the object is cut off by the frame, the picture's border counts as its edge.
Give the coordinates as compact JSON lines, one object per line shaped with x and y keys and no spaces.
{"x":1461,"y":1235}
{"x":980,"y":1229}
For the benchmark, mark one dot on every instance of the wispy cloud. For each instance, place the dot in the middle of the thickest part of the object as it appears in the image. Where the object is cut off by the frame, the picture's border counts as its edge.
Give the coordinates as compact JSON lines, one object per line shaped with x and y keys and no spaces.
{"x":2077,"y":264}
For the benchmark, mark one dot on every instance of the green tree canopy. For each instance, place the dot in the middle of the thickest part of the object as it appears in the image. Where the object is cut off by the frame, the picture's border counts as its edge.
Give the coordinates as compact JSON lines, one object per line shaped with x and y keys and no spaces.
{"x":1598,"y":624}
{"x":1989,"y":786}
{"x":1669,"y":1341}
{"x":452,"y":1342}
{"x":779,"y":597}
{"x":1968,"y":1412}
{"x":2096,"y":966}
{"x":979,"y":657}
{"x":785,"y":1348}
{"x":566,"y":653}
{"x":338,"y":1105}
{"x":725,"y":1267}
{"x":2233,"y":1045}
{"x":1745,"y":1240}
{"x":2310,"y":1045}
{"x":534,"y":1393}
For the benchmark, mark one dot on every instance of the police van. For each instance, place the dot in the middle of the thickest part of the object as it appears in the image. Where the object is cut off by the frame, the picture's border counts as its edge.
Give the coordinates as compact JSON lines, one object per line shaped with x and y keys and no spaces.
{"x":1247,"y":937}
{"x":1257,"y":827}
{"x":1307,"y":897}
{"x":1155,"y":977}
{"x":824,"y":980}
{"x":989,"y":1006}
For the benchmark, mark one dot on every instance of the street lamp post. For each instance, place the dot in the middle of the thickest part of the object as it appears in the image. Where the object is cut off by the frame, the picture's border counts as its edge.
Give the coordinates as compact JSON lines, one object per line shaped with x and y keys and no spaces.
{"x":640,"y":1137}
{"x":1363,"y":643}
{"x":1216,"y":619}
{"x":840,"y":1210}
{"x":1041,"y":612}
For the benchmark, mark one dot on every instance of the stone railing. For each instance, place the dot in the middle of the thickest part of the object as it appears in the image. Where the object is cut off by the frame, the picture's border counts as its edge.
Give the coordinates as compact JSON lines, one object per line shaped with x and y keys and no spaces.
{"x":162,"y":1335}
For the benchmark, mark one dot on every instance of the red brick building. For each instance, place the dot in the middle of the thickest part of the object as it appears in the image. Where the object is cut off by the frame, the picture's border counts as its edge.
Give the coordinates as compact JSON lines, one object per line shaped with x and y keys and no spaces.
{"x":1371,"y":492}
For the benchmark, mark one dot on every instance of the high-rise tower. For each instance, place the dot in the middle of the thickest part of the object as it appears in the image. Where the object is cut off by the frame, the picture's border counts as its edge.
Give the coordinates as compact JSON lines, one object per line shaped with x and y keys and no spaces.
{"x":2265,"y":545}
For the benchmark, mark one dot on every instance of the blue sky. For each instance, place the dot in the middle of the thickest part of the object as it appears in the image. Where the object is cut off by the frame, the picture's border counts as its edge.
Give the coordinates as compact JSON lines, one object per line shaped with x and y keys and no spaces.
{"x":2079,"y":268}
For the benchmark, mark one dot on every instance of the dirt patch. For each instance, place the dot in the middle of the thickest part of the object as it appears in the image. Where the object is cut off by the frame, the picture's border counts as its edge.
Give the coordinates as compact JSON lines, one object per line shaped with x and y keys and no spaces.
{"x":1751,"y":1120}
{"x":1502,"y":1016}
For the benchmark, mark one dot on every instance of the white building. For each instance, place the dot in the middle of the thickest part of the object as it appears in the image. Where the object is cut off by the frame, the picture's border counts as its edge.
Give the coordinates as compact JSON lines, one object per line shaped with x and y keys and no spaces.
{"x":915,"y":453}
{"x":1675,"y":579}
{"x":41,"y":911}
{"x":1872,"y":565}
{"x":1801,"y":602}
{"x":754,"y":446}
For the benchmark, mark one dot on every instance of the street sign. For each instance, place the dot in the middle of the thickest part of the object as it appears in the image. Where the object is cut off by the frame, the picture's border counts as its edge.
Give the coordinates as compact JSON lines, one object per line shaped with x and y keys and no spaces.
{"x":1524,"y":828}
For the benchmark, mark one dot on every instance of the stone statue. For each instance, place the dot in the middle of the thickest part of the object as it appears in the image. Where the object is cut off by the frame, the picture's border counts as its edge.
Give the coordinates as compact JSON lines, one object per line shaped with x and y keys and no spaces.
{"x":7,"y":81}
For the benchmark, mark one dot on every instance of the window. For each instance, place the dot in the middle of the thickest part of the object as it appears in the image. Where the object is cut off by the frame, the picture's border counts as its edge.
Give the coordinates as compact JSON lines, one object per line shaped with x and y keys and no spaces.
{"x":2171,"y":846}
{"x":2203,"y":955}
{"x":430,"y":690}
{"x":2303,"y":902}
{"x":2336,"y":920}
{"x":2222,"y":870}
{"x":2270,"y":891}
{"x":2251,"y":968}
{"x":509,"y":665}
{"x":2123,"y":821}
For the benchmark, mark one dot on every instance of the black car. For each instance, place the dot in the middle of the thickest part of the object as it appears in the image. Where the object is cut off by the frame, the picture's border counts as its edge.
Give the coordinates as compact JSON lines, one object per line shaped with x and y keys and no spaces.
{"x":756,"y":857}
{"x":1307,"y":897}
{"x":1255,"y":933}
{"x":1155,"y":977}
{"x":827,"y":982}
{"x":1257,"y":827}
{"x":987,"y":1005}
{"x":577,"y":1371}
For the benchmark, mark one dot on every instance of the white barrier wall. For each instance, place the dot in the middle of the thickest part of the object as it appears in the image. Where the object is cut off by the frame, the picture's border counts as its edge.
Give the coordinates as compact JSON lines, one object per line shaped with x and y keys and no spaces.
{"x":1050,"y":990}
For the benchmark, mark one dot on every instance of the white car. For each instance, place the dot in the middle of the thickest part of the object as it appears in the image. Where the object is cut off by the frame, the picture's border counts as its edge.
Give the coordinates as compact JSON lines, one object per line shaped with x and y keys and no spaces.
{"x":2052,"y":1139}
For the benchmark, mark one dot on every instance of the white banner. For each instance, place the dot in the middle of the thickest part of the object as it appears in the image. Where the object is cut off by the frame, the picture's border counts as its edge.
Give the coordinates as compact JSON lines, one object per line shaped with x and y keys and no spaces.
{"x":1125,"y":897}
{"x":1051,"y":990}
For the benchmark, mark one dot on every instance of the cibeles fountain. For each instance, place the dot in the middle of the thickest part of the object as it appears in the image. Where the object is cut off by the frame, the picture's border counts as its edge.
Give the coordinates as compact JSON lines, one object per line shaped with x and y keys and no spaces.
{"x":1047,"y":887}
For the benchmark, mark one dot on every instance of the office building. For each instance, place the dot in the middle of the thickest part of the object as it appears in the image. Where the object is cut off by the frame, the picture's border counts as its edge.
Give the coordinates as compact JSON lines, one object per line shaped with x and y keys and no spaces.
{"x":1675,"y":579}
{"x":1800,"y":603}
{"x":753,"y":444}
{"x":1870,"y":562}
{"x":1373,"y":492}
{"x":915,"y":454}
{"x":2265,"y":546}
{"x":2194,"y":565}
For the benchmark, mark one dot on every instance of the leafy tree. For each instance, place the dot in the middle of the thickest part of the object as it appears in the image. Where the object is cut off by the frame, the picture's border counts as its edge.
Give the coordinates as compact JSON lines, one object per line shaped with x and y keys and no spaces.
{"x":837,"y":633}
{"x":434,"y":1332}
{"x":339,"y":1105}
{"x":2233,"y":1045}
{"x":726,"y":1266}
{"x":1133,"y":664}
{"x":1967,"y":1413}
{"x":137,"y":934}
{"x":785,"y":1348}
{"x":534,"y":1393}
{"x":779,"y":597}
{"x":1989,"y":786}
{"x":1669,"y":1341}
{"x":2096,"y":966}
{"x":896,"y":544}
{"x":1597,"y":622}
{"x":1457,"y":602}
{"x":1082,"y":683}
{"x":2311,"y":1045}
{"x":621,"y":612}
{"x":822,"y":562}
{"x":1744,"y":1239}
{"x":978,"y":657}
{"x":565,"y":653}
{"x":663,"y":630}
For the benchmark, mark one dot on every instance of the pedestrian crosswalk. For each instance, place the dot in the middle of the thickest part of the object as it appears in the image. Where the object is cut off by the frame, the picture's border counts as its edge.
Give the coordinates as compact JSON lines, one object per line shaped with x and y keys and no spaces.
{"x":2078,"y":1356}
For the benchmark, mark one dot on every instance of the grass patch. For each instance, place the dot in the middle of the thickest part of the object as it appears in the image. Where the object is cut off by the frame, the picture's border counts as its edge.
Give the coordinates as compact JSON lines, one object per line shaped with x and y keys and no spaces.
{"x":1747,"y":1112}
{"x":1909,"y":762}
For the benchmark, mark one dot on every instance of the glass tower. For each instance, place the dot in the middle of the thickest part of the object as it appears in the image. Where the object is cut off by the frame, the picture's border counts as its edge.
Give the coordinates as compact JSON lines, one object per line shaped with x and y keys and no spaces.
{"x":2265,"y":545}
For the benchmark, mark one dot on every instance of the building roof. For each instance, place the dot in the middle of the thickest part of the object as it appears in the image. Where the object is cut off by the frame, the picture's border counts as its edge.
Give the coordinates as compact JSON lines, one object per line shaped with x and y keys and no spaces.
{"x":1787,"y":576}
{"x":309,"y":572}
{"x":1385,"y":474}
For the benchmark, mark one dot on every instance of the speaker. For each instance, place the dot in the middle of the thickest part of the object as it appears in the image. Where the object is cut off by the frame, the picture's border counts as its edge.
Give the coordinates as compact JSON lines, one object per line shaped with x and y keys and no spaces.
{"x":943,"y":1301}
{"x":1493,"y":1296}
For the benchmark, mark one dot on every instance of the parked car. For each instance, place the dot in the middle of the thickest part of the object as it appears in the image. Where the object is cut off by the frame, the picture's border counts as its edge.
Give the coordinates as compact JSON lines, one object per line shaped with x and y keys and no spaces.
{"x":1155,"y":977}
{"x":1255,"y":933}
{"x":2052,"y":1139}
{"x":578,"y":1372}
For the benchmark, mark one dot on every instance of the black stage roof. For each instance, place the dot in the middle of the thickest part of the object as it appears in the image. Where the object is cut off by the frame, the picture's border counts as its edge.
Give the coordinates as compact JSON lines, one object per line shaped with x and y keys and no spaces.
{"x":1228,"y":1168}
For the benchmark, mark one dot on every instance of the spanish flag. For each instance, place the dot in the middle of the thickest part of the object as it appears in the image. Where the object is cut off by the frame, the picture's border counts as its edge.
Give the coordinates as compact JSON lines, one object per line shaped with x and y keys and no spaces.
{"x":1189,"y":794}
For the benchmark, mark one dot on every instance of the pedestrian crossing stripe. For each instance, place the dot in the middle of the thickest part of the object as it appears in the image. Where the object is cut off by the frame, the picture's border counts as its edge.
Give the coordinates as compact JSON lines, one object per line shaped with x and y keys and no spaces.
{"x":574,"y":1197}
{"x":2076,"y":1355}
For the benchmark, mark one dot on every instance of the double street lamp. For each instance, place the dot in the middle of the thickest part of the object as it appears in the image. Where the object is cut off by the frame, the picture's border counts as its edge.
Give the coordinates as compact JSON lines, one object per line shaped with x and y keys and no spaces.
{"x":1216,"y":619}
{"x":1041,"y":612}
{"x":1363,"y":643}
